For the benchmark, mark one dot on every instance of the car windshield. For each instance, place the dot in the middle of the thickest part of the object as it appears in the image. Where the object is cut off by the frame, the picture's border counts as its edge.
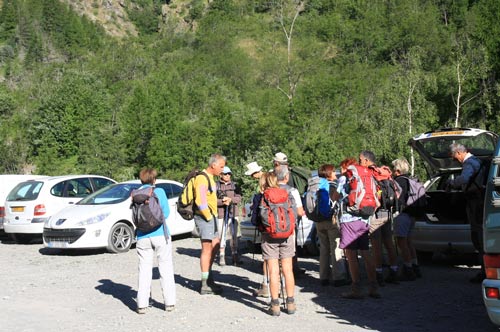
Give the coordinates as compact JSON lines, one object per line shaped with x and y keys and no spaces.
{"x":112,"y":194}
{"x":25,"y":191}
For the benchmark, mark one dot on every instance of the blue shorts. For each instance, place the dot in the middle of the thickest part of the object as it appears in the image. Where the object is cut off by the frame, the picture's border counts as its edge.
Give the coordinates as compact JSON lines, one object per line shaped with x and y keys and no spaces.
{"x":403,"y":225}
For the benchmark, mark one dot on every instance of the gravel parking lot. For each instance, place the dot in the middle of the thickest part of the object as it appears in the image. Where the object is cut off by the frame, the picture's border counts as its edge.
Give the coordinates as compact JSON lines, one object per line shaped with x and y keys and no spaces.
{"x":45,"y":290}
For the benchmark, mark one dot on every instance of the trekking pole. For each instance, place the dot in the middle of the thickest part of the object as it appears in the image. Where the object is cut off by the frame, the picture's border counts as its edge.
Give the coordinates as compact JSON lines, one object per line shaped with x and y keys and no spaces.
{"x":224,"y":227}
{"x":234,"y":228}
{"x":281,"y":285}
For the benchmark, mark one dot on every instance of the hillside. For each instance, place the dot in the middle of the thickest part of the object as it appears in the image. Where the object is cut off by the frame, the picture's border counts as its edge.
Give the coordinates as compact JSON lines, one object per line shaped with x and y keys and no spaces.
{"x":107,"y":87}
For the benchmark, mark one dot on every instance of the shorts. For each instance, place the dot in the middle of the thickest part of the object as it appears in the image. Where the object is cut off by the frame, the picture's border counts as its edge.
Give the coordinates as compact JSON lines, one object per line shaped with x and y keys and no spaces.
{"x":403,"y":225}
{"x":277,"y":248}
{"x":384,"y":231}
{"x":207,"y":229}
{"x":354,"y":235}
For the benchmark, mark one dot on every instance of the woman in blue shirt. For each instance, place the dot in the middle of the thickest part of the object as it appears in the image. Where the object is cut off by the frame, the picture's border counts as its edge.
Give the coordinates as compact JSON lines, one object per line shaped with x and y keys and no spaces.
{"x":155,"y":243}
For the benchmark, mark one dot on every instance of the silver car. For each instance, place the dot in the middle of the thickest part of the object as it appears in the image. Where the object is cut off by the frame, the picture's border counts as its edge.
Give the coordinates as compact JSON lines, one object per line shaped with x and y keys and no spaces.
{"x":443,"y":226}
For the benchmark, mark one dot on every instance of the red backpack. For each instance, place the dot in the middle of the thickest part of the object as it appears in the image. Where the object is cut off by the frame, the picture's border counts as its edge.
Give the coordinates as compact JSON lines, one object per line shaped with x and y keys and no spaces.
{"x":362,"y":199}
{"x":276,"y":211}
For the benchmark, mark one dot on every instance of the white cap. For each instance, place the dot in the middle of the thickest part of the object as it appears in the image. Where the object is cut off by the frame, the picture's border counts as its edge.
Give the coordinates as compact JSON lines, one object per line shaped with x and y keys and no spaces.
{"x":281,"y":158}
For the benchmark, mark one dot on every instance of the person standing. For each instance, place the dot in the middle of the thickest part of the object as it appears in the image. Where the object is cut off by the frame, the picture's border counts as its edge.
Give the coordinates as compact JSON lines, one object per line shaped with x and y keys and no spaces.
{"x":470,"y":181}
{"x":228,"y":198}
{"x":155,"y":243}
{"x":205,"y":219}
{"x":404,"y":223}
{"x":255,"y":171}
{"x":331,"y":271}
{"x":381,"y":236}
{"x":353,"y":238}
{"x":279,"y":252}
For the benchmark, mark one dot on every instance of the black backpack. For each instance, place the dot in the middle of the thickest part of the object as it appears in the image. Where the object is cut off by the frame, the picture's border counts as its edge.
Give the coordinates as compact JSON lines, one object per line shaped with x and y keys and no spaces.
{"x":147,"y":214}
{"x":186,"y":202}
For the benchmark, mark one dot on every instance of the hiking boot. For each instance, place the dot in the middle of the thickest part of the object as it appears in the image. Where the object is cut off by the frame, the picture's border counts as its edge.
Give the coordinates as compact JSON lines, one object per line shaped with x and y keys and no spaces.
{"x":341,"y":282}
{"x":236,"y":260}
{"x":416,"y":270}
{"x":354,"y":294}
{"x":222,"y":260}
{"x":392,"y":278}
{"x":209,"y":289}
{"x":141,"y":311}
{"x":290,"y":305}
{"x":274,"y":308}
{"x":407,"y":274}
{"x":169,"y":308}
{"x":373,"y":292}
{"x":211,"y":282}
{"x":380,"y":279}
{"x":263,"y":291}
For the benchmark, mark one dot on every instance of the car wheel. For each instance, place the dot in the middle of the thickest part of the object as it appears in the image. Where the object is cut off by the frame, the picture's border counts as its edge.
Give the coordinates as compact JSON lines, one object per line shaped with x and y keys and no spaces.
{"x":120,"y":238}
{"x":312,"y":247}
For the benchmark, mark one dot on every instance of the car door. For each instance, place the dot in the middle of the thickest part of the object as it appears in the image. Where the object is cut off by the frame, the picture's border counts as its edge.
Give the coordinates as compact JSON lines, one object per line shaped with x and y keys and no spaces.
{"x":176,"y":223}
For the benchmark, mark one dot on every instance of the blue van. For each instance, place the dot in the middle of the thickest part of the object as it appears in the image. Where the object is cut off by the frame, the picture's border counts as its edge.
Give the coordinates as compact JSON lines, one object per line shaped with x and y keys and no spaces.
{"x":491,"y":232}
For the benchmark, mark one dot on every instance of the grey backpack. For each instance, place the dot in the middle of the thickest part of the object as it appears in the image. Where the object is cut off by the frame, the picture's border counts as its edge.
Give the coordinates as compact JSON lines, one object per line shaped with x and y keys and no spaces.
{"x":147,"y":214}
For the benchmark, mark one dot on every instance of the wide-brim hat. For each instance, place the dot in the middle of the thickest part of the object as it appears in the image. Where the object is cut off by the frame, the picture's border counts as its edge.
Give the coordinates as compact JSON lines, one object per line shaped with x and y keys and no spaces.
{"x":253,"y":167}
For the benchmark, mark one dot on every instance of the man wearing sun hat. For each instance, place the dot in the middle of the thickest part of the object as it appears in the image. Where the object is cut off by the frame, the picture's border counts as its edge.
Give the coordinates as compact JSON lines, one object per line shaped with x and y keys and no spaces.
{"x":228,"y":197}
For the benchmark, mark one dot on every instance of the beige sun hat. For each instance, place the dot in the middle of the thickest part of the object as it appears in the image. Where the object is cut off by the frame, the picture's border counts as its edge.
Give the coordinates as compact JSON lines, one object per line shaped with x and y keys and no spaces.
{"x":253,"y":167}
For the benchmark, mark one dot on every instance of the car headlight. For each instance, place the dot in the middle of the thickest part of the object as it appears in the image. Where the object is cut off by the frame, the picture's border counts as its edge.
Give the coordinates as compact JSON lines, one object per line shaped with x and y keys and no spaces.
{"x":94,"y":219}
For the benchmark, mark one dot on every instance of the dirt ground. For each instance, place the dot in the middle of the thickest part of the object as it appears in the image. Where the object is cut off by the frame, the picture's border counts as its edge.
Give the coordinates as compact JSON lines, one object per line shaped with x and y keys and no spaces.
{"x":44,"y":290}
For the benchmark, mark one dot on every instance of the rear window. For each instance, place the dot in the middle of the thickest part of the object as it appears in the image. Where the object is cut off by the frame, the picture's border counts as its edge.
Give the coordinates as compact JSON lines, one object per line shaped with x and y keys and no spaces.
{"x":480,"y":145}
{"x":25,"y":191}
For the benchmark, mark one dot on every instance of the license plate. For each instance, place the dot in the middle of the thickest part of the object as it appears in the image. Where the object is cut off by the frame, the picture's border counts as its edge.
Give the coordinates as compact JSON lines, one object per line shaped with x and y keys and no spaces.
{"x":57,"y":244}
{"x":17,"y":209}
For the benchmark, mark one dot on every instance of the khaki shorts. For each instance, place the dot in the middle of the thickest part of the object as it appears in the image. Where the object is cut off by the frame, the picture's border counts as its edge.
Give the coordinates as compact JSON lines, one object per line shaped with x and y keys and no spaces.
{"x":207,"y":229}
{"x":277,"y":248}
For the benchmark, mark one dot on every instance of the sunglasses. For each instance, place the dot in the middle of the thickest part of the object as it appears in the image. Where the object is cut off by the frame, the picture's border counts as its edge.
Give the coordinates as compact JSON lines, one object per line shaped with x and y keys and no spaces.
{"x":226,"y":173}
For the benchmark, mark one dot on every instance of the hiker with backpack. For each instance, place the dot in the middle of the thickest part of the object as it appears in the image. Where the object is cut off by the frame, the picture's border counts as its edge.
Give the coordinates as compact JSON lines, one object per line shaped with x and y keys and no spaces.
{"x":278,"y":215}
{"x":331,"y":269}
{"x":228,"y":198}
{"x":205,"y":219}
{"x":471,"y":182}
{"x":299,"y":182}
{"x":255,"y":171}
{"x":156,"y":242}
{"x":383,"y":234}
{"x":357,"y":198}
{"x":405,"y":222}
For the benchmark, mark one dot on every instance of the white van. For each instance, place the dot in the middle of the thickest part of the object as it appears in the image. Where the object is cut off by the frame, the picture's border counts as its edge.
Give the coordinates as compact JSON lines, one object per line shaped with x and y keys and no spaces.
{"x":7,"y":183}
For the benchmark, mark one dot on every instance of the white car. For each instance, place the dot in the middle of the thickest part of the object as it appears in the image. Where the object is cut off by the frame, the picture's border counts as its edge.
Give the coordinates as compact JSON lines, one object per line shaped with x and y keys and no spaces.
{"x":9,"y":181}
{"x":104,"y":219}
{"x":31,"y":203}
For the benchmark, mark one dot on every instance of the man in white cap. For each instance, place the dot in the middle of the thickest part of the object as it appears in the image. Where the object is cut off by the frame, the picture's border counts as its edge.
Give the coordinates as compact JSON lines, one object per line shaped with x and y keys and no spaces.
{"x":228,"y":197}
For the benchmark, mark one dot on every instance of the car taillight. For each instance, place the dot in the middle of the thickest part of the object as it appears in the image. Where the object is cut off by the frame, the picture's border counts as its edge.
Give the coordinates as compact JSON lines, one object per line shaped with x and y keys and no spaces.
{"x":2,"y":211}
{"x":492,"y":266}
{"x":40,"y":210}
{"x":492,"y":293}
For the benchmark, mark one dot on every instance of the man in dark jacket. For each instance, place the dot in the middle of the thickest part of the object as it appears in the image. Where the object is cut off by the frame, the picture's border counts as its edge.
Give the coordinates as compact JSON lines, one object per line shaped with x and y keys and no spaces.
{"x":470,"y":181}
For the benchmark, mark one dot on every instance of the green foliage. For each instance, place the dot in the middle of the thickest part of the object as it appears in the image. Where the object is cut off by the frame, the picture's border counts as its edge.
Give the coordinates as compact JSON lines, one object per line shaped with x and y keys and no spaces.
{"x":352,"y":75}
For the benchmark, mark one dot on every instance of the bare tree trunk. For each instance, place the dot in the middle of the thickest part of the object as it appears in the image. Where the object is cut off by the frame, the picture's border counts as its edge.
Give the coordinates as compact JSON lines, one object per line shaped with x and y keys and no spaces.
{"x":410,"y":125}
{"x":459,"y":95}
